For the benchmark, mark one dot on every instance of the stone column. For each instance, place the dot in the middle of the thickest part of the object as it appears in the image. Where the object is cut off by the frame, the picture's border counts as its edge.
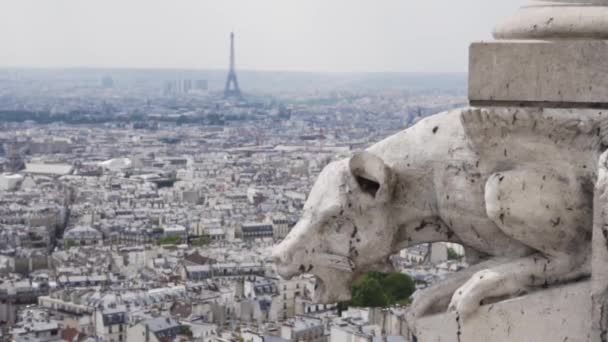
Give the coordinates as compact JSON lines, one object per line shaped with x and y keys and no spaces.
{"x":557,"y":19}
{"x":553,"y":54}
{"x":547,"y":54}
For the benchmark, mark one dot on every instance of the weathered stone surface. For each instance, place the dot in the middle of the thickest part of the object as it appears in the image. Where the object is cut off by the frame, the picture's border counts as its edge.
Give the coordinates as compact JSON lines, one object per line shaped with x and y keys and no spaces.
{"x":567,"y":73}
{"x":557,"y":19}
{"x":514,"y":184}
{"x":599,"y":281}
{"x":565,"y":70}
{"x":558,"y":314}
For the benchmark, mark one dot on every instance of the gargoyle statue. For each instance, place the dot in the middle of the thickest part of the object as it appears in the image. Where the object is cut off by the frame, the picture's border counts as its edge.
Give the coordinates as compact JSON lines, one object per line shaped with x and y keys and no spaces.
{"x":514,"y":186}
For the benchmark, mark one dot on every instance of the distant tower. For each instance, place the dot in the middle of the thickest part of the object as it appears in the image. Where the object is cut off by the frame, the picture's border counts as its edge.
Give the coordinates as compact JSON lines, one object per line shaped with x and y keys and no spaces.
{"x":15,"y":161}
{"x":232,"y":85}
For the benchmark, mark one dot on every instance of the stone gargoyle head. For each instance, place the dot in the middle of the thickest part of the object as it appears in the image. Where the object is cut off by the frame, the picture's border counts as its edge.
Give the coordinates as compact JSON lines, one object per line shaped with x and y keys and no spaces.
{"x":344,"y":229}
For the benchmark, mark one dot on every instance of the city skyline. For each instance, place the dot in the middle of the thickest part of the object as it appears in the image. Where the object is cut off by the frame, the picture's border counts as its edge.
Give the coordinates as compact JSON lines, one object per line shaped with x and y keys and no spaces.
{"x":312,"y":36}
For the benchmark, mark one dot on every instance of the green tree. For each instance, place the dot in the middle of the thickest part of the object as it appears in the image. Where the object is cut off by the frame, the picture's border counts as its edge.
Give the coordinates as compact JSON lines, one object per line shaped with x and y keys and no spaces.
{"x":368,"y":292}
{"x":67,"y":244}
{"x":452,"y":255}
{"x":398,"y":286}
{"x":375,"y":289}
{"x":170,"y":240}
{"x":187,"y":331}
{"x":201,"y":241}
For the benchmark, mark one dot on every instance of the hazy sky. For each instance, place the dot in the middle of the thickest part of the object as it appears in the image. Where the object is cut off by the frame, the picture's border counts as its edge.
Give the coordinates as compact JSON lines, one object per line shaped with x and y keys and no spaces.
{"x":306,"y":35}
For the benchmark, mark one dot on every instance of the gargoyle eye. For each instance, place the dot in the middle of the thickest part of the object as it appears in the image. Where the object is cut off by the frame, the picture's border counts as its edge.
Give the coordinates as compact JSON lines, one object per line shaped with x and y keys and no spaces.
{"x":368,"y":186}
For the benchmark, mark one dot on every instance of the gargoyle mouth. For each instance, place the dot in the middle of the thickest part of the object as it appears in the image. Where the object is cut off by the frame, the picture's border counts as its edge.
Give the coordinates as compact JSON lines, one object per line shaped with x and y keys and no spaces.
{"x":332,"y":291}
{"x":320,"y":290}
{"x":320,"y":261}
{"x":333,"y":276}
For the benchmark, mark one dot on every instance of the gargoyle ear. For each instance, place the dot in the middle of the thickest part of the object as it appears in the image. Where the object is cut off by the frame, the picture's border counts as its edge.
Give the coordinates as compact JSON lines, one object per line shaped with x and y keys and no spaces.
{"x":372,"y":175}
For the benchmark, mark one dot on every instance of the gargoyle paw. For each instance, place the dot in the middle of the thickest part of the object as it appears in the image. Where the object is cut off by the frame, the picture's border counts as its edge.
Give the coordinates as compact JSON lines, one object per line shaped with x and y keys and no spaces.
{"x":422,"y":303}
{"x":464,"y":305}
{"x":467,"y":299}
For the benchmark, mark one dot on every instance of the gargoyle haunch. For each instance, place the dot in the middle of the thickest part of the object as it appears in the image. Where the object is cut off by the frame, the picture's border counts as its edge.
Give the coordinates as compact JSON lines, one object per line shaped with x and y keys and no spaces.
{"x":514,"y":186}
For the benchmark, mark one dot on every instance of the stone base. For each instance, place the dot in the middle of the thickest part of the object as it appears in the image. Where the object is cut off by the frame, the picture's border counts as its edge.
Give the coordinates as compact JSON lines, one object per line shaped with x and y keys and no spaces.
{"x":557,"y":314}
{"x":565,"y":73}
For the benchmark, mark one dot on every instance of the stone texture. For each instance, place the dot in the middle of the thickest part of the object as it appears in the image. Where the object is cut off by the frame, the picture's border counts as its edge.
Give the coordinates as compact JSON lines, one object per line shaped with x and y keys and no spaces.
{"x":558,"y":314}
{"x":515,"y":184}
{"x":558,"y":19}
{"x":564,"y":70}
{"x":568,"y":73}
{"x":599,"y":281}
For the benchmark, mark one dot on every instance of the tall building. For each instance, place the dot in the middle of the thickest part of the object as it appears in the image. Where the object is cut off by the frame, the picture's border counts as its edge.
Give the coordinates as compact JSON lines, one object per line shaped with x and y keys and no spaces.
{"x":15,"y":161}
{"x":232,"y":84}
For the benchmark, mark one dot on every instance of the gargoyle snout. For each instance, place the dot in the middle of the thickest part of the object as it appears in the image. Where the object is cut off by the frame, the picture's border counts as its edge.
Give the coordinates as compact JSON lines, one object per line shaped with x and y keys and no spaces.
{"x":282,"y":259}
{"x":287,"y":254}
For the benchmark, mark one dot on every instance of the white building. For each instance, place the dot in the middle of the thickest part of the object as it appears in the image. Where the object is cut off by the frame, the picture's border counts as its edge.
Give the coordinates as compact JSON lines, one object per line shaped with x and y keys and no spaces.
{"x":10,"y":182}
{"x":48,"y":169}
{"x":83,"y":236}
{"x":111,"y":323}
{"x":303,"y":329}
{"x":155,"y":330}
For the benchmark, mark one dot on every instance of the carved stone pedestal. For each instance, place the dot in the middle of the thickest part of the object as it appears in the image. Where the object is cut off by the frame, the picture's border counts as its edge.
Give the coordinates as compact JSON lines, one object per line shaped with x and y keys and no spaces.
{"x":549,"y":54}
{"x":558,"y":314}
{"x":565,"y":73}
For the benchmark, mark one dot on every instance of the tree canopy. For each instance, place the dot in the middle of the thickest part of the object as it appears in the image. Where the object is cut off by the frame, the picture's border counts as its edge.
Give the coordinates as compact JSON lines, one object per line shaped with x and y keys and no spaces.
{"x":201,"y":241}
{"x":170,"y":240}
{"x":453,"y":255}
{"x":381,"y":290}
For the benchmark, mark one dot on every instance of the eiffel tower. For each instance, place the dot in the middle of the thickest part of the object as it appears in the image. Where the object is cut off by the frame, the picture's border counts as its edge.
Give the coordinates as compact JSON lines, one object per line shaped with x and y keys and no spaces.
{"x":232,"y":85}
